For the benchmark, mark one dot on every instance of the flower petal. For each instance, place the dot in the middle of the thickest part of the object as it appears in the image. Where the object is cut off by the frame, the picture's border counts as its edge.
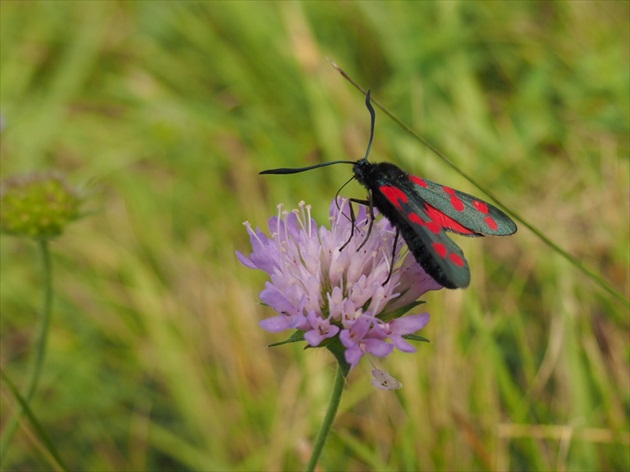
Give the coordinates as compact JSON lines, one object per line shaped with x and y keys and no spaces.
{"x":275,"y":324}
{"x":245,"y":260}
{"x":409,"y":324}
{"x":377,"y":347}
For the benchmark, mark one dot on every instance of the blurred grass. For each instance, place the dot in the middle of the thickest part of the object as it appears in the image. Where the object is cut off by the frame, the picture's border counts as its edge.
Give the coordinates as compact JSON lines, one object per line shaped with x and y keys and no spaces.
{"x":166,"y":112}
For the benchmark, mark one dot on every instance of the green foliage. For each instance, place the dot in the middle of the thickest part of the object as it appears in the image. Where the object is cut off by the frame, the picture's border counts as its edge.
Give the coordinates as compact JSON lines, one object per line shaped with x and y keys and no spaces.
{"x":167,"y":111}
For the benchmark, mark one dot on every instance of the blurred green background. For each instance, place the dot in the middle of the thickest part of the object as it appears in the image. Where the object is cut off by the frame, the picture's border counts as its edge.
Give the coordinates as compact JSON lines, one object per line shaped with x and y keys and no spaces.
{"x":164,"y":113}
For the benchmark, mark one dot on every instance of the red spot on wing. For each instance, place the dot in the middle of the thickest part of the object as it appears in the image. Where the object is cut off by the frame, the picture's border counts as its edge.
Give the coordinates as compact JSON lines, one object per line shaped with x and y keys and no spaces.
{"x":457,"y":259}
{"x":491,"y":223}
{"x":432,"y":226}
{"x":446,"y":221}
{"x":440,"y":249}
{"x":417,"y":180}
{"x":481,"y":206}
{"x":415,"y":218}
{"x":394,"y":195}
{"x":455,"y":201}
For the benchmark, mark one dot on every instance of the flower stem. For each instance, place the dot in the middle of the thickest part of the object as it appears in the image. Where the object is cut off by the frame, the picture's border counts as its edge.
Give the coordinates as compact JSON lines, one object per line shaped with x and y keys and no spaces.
{"x":40,"y":348}
{"x":324,"y":429}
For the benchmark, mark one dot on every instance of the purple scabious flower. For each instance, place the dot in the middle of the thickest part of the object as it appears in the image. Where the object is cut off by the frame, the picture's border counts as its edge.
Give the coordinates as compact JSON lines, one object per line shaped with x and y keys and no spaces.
{"x":327,"y":293}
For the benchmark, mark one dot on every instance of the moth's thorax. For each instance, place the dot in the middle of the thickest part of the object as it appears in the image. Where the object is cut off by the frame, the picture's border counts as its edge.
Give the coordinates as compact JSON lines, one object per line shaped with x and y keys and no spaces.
{"x":367,"y":173}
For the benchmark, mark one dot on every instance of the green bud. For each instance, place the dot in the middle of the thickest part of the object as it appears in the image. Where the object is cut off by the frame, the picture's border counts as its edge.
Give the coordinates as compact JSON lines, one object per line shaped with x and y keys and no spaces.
{"x":38,"y":206}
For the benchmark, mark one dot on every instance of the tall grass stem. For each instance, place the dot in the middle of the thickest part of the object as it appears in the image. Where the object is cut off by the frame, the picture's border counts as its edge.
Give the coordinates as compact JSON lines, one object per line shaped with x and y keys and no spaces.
{"x":40,"y":347}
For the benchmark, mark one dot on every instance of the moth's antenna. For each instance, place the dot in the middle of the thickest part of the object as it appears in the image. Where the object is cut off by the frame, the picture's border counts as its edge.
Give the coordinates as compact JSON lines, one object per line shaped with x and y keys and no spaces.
{"x":285,"y":170}
{"x":370,"y":108}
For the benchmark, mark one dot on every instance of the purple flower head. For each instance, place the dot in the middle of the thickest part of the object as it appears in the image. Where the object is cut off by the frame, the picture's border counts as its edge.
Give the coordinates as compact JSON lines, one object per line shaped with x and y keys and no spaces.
{"x":326,"y":293}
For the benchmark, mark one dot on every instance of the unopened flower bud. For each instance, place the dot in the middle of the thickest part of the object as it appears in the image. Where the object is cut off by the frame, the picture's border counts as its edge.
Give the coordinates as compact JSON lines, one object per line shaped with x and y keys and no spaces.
{"x":38,"y":206}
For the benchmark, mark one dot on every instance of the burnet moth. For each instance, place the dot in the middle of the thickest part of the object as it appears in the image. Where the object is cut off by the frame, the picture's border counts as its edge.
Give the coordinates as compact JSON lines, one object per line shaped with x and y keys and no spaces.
{"x":422,"y":212}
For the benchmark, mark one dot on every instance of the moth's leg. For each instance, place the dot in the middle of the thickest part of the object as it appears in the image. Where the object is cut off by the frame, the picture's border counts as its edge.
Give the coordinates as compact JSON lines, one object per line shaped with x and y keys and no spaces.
{"x":370,"y":205}
{"x":352,"y":220}
{"x":391,"y":267}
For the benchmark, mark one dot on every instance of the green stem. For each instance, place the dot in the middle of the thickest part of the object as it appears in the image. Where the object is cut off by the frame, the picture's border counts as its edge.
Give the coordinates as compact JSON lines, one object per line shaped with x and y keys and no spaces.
{"x":40,"y":347}
{"x":335,"y":399}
